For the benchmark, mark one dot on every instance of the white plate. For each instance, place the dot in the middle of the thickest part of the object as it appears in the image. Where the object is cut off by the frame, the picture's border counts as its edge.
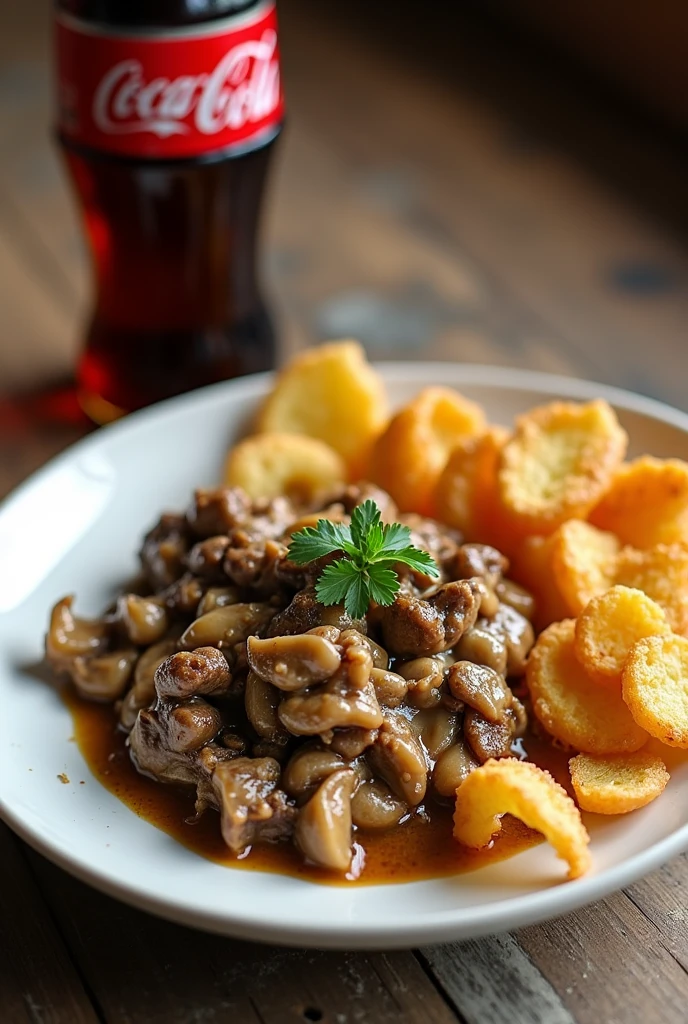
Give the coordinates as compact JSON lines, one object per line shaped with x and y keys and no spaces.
{"x":76,"y":526}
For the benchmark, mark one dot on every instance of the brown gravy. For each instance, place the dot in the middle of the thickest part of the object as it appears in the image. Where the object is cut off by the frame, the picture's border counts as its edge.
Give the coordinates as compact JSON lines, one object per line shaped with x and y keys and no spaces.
{"x":420,"y":848}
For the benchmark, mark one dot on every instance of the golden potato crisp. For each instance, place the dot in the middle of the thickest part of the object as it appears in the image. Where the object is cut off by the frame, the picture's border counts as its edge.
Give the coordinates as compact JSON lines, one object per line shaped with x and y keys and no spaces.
{"x":559,"y":463}
{"x":662,"y":574}
{"x":608,"y":627}
{"x":332,"y":393}
{"x":655,"y":688}
{"x":466,"y":492}
{"x":531,"y":566}
{"x":522,"y":789}
{"x":617,"y":785}
{"x":583,"y":562}
{"x":268,"y":465}
{"x":647,"y":503}
{"x":412,"y":452}
{"x":570,"y":705}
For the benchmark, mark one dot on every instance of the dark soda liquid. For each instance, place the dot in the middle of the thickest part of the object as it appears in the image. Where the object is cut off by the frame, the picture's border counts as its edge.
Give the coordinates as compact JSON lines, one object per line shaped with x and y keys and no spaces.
{"x":173,"y":253}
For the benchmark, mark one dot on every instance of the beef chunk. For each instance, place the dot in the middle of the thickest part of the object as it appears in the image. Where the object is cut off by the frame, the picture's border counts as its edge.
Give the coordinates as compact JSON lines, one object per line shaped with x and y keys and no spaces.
{"x":414,"y":627}
{"x":251,"y":805}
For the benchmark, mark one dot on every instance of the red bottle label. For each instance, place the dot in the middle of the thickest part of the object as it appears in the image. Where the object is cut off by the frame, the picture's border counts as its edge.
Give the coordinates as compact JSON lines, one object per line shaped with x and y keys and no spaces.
{"x":174,"y":93}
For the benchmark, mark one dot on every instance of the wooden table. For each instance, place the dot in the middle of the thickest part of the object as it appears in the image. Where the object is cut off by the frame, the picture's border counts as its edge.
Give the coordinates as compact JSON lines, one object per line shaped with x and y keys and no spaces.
{"x":439,"y":194}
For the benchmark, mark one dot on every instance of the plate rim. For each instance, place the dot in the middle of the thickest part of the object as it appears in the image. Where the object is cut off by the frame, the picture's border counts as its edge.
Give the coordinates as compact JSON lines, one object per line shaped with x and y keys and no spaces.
{"x":473,"y":921}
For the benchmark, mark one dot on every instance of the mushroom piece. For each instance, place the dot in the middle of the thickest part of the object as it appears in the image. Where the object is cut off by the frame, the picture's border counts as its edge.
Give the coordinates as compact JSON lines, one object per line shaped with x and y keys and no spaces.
{"x":183,"y":597}
{"x":332,"y":705}
{"x":390,"y":687}
{"x":163,"y":551}
{"x":217,"y":597}
{"x":145,"y":619}
{"x":188,"y":673}
{"x":293,"y":662}
{"x":351,"y":743}
{"x":251,"y":805}
{"x":378,"y":654}
{"x":374,"y":806}
{"x":483,"y":647}
{"x":346,"y":699}
{"x":479,"y":560}
{"x":414,"y":627}
{"x":191,"y":725}
{"x":453,"y":766}
{"x":142,"y":693}
{"x":206,"y":557}
{"x":424,"y":678}
{"x":261,"y":701}
{"x":481,"y":688}
{"x":517,"y":597}
{"x":70,"y":636}
{"x":398,"y":757}
{"x":324,"y":826}
{"x":517,"y":633}
{"x":103,"y":677}
{"x":227,"y":626}
{"x":306,"y":769}
{"x":436,"y":728}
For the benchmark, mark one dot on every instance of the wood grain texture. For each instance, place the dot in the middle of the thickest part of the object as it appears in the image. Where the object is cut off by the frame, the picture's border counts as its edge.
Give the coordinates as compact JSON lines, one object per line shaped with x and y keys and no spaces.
{"x":38,"y":982}
{"x":493,"y":981}
{"x":173,"y":975}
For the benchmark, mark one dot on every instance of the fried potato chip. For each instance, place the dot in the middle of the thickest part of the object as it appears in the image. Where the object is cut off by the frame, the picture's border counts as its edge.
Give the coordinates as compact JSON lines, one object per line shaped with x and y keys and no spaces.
{"x":583,"y":562}
{"x":655,"y":687}
{"x":608,"y":627}
{"x":647,"y":503}
{"x":531,"y":566}
{"x":662,"y":574}
{"x":527,"y":792}
{"x":617,"y":785}
{"x":332,"y":393}
{"x":570,"y":705}
{"x":559,"y":463}
{"x":466,"y":492}
{"x":268,"y":465}
{"x":412,"y":452}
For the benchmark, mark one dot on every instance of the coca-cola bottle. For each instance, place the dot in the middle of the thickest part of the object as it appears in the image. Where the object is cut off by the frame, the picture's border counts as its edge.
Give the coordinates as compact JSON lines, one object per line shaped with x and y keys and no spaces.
{"x":167,"y":114}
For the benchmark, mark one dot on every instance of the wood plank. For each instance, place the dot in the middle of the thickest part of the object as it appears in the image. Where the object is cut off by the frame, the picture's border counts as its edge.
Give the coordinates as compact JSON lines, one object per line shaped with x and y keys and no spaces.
{"x":609,"y":963}
{"x":143,"y":969}
{"x":38,"y":982}
{"x":663,"y":899}
{"x":493,"y":981}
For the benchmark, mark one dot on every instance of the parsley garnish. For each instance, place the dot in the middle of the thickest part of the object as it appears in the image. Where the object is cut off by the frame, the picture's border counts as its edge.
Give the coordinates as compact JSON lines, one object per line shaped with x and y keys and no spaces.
{"x":371,"y":551}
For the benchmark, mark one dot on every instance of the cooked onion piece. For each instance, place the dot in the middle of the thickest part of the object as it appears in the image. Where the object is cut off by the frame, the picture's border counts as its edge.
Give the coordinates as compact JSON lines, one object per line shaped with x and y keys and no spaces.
{"x":617,"y":784}
{"x":517,"y":787}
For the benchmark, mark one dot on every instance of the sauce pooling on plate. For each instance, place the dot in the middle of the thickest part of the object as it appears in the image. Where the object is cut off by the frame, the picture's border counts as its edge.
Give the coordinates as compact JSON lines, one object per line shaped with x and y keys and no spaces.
{"x":420,"y":848}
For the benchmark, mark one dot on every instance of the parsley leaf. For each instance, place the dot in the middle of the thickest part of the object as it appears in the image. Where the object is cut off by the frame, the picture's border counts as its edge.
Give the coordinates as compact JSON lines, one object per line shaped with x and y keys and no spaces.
{"x":371,"y":549}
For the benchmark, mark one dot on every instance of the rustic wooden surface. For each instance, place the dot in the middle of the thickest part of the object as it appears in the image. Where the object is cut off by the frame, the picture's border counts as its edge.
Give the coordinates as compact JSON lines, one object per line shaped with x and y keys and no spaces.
{"x":438,"y":194}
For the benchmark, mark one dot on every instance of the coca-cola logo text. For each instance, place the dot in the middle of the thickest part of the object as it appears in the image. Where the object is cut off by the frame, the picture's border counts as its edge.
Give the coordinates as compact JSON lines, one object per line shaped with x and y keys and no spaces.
{"x":244,"y":87}
{"x":171,"y":92}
